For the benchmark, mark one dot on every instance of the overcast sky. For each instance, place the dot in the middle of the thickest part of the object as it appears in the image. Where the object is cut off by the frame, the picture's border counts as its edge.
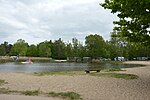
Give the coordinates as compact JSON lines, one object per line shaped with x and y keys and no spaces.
{"x":39,"y":20}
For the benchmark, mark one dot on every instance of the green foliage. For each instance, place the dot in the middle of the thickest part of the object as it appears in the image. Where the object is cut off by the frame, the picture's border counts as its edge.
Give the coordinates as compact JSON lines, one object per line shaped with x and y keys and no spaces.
{"x":31,"y":93}
{"x":113,"y":69}
{"x":95,"y":46}
{"x":69,"y":50}
{"x":63,"y":95}
{"x":2,"y":50}
{"x":19,"y":48}
{"x":5,"y":60}
{"x":32,"y":51}
{"x":60,"y":73}
{"x":58,"y":49}
{"x":134,"y":19}
{"x":75,"y":44}
{"x":5,"y":49}
{"x":45,"y":49}
{"x":2,"y":82}
{"x":116,"y":75}
{"x":66,"y":95}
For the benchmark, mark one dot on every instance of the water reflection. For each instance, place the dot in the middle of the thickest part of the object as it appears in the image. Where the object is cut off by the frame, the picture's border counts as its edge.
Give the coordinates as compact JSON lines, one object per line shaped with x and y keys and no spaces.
{"x":45,"y":67}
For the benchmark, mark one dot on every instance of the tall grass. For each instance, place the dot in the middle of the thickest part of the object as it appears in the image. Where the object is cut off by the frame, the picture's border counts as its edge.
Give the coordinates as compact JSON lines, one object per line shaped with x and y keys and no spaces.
{"x":66,"y":95}
{"x":6,"y":60}
{"x":116,"y":75}
{"x":31,"y":93}
{"x":2,"y":82}
{"x":63,"y":95}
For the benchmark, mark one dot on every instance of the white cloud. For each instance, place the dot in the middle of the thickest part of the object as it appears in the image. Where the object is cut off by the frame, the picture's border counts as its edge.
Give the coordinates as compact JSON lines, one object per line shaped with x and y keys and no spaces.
{"x":39,"y":20}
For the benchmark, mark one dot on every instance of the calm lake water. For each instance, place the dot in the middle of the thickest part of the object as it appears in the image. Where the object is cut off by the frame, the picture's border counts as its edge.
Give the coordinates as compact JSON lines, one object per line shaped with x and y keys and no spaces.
{"x":45,"y":67}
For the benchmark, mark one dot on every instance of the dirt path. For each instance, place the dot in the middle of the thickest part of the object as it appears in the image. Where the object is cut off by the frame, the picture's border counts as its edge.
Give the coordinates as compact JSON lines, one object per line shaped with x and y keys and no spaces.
{"x":89,"y":87}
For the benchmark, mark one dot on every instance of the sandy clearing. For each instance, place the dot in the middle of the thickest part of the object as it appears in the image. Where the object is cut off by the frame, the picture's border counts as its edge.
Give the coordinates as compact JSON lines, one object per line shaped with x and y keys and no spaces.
{"x":20,"y":97}
{"x":90,"y":87}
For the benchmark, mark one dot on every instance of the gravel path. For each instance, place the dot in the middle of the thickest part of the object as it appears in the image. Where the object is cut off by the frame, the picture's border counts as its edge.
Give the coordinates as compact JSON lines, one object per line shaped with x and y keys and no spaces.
{"x":89,"y":87}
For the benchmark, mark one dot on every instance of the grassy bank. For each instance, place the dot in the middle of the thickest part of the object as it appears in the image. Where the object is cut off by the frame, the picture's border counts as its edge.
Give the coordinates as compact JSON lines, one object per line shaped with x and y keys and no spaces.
{"x":103,"y":73}
{"x":63,"y":95}
{"x":33,"y":59}
{"x":2,"y":82}
{"x":36,"y":59}
{"x":59,"y":73}
{"x":6,"y":60}
{"x":116,"y":75}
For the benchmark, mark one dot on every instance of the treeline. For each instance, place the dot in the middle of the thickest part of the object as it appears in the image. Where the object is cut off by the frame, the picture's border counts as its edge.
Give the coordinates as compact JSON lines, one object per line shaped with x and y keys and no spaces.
{"x":95,"y":46}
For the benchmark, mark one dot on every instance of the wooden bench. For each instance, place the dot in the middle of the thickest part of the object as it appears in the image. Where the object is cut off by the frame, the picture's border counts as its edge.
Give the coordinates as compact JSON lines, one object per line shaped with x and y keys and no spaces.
{"x":88,"y":71}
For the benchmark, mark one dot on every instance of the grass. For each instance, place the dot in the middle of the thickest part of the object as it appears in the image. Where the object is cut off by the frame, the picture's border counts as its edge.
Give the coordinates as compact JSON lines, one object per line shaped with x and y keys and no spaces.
{"x":31,"y":93}
{"x":2,"y":82}
{"x":63,"y":95}
{"x":113,"y":69}
{"x":104,"y":73}
{"x":7,"y":91}
{"x":5,"y":60}
{"x":66,"y":95}
{"x":116,"y":75}
{"x":34,"y":59}
{"x":4,"y":91}
{"x":59,"y":73}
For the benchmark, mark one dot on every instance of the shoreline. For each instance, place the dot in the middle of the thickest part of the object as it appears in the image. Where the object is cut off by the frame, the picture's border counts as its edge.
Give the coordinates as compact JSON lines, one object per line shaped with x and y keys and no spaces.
{"x":89,"y":87}
{"x":146,"y":63}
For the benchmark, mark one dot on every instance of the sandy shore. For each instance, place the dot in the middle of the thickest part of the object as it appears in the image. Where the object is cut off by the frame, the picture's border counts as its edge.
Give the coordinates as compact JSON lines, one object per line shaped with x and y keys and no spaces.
{"x":89,"y":87}
{"x":20,"y":97}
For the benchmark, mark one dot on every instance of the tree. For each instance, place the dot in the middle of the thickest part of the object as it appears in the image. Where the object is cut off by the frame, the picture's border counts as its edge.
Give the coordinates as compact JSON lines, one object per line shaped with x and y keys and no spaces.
{"x":19,"y":48}
{"x":81,"y":50}
{"x":45,"y":49}
{"x":5,"y":48}
{"x":118,"y":47}
{"x":32,"y":51}
{"x":2,"y":50}
{"x":95,"y":46}
{"x":58,"y":49}
{"x":134,"y":23}
{"x":75,"y":49}
{"x":69,"y":50}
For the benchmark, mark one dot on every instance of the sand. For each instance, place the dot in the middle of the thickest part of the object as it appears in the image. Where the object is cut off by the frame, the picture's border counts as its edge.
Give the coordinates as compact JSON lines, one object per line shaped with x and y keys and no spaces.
{"x":20,"y":97}
{"x":89,"y":87}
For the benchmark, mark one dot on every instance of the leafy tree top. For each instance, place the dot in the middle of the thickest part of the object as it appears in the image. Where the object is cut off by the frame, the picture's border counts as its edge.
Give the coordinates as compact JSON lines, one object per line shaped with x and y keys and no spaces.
{"x":134,"y":23}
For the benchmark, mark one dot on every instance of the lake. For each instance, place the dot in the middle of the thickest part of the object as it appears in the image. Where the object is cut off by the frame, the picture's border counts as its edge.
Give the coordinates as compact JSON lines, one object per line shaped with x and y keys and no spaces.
{"x":45,"y":67}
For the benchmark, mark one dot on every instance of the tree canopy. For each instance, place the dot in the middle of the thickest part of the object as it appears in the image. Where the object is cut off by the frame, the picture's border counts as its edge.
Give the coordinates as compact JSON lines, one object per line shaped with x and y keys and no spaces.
{"x":95,"y":45}
{"x":19,"y":48}
{"x":45,"y":49}
{"x":134,"y":23}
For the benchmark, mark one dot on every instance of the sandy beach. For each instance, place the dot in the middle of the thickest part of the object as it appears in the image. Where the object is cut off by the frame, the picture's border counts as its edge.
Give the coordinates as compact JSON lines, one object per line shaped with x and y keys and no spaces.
{"x":89,"y":87}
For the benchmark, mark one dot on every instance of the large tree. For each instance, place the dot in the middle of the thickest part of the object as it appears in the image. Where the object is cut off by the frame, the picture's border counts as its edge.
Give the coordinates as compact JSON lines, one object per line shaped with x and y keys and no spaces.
{"x":33,"y":51}
{"x":95,"y":46}
{"x":45,"y":49}
{"x":19,"y":48}
{"x":2,"y":50}
{"x":7,"y":47}
{"x":134,"y":23}
{"x":58,"y":49}
{"x":69,"y":50}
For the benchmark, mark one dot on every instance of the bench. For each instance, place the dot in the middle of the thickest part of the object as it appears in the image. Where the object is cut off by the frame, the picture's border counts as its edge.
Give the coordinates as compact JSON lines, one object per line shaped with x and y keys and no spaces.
{"x":88,"y":71}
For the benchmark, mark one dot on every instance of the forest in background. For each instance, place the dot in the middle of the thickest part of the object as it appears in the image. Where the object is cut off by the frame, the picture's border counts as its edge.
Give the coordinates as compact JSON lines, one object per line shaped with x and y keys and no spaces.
{"x":95,"y":46}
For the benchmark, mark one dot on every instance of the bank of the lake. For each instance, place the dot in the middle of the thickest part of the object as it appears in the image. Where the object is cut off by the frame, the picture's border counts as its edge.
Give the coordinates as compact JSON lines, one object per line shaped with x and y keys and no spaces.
{"x":89,"y":87}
